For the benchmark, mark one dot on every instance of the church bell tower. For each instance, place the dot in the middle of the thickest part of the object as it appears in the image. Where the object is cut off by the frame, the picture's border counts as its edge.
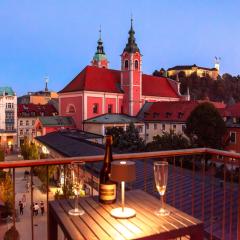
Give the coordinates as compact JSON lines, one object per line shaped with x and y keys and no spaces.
{"x":100,"y":58}
{"x":131,"y":75}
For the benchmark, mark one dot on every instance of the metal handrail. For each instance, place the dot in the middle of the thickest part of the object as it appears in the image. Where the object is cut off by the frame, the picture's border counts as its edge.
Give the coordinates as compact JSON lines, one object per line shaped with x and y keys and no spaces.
{"x":125,"y":156}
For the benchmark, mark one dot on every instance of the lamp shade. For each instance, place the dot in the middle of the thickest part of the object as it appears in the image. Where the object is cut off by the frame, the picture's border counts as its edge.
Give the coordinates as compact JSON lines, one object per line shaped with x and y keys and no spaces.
{"x":123,"y":171}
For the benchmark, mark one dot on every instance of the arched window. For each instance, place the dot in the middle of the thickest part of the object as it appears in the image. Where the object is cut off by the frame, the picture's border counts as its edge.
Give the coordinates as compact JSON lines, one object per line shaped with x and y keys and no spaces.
{"x":126,"y":64}
{"x":71,"y":108}
{"x":27,"y":123}
{"x":95,"y":108}
{"x":136,"y":64}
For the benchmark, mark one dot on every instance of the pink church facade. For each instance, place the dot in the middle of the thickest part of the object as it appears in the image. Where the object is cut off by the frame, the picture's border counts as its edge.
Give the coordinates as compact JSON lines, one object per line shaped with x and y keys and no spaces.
{"x":98,"y":90}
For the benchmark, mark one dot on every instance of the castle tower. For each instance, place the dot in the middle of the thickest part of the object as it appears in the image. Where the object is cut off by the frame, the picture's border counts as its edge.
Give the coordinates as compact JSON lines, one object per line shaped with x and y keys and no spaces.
{"x":131,"y":75}
{"x":217,"y":63}
{"x":100,"y":58}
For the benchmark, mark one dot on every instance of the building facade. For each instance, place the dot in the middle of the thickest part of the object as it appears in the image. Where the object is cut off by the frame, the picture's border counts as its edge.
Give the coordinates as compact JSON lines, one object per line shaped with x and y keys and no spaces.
{"x":27,"y":117}
{"x":8,"y":117}
{"x":190,"y":69}
{"x":98,"y":90}
{"x":45,"y":125}
{"x":160,"y":117}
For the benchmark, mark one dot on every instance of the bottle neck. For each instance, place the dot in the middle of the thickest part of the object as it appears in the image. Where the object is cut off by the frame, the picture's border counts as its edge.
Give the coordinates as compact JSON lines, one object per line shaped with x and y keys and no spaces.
{"x":108,"y":155}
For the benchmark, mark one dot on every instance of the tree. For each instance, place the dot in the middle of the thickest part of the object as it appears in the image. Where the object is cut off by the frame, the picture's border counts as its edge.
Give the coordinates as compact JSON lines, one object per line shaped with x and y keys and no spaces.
{"x":205,"y":127}
{"x":2,"y":155}
{"x":116,"y":132}
{"x":127,"y":141}
{"x":29,"y":150}
{"x":168,"y":141}
{"x":6,"y":191}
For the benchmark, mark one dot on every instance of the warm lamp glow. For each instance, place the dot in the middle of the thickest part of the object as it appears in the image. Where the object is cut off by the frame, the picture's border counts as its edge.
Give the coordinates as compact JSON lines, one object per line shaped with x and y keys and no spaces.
{"x":123,"y":213}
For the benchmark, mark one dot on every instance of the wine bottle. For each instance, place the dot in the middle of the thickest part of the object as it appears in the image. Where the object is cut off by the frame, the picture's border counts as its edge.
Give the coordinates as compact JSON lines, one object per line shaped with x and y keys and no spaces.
{"x":107,"y":188}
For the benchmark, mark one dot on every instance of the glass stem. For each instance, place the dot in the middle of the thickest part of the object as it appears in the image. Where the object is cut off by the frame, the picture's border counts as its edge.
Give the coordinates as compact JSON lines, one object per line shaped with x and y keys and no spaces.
{"x":162,"y":201}
{"x":76,"y":202}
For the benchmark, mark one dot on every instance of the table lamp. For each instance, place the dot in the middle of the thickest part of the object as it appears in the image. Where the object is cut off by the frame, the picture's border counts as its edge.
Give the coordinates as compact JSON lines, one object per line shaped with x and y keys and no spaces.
{"x":123,"y":171}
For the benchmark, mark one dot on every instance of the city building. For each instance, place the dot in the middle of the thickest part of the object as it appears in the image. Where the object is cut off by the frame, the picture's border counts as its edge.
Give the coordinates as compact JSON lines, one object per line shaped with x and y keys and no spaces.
{"x":40,"y":97}
{"x":8,"y":117}
{"x":101,"y":123}
{"x":45,"y":125}
{"x":27,"y":116}
{"x":160,"y":117}
{"x":231,"y":115}
{"x":190,"y":69}
{"x":98,"y":90}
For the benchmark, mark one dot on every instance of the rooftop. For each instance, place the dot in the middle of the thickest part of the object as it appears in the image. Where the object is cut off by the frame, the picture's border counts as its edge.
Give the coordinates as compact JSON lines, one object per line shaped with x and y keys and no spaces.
{"x":36,"y":110}
{"x":113,"y":118}
{"x":7,"y":91}
{"x":172,"y":111}
{"x":107,"y":80}
{"x":189,"y":67}
{"x":57,"y":121}
{"x":72,"y":144}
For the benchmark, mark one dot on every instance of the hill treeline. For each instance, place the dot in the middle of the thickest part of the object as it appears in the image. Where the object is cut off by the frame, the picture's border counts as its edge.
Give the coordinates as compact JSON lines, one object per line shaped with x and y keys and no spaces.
{"x":226,"y":88}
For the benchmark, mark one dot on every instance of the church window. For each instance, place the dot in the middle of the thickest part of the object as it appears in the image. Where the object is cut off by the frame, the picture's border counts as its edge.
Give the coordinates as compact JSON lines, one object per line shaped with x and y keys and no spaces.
{"x":232,"y":137}
{"x":71,"y":109}
{"x":110,"y":106}
{"x":126,"y":64}
{"x":136,"y":64}
{"x":95,"y":108}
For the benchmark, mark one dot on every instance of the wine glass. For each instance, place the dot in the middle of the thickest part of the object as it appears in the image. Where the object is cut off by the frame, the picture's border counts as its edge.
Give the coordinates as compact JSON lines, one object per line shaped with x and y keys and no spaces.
{"x":161,"y":177}
{"x":77,"y":177}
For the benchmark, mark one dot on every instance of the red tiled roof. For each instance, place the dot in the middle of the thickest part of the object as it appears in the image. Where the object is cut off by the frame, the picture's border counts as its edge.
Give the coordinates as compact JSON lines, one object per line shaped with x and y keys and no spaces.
{"x":177,"y":111}
{"x":34,"y":110}
{"x":170,"y":111}
{"x":95,"y":79}
{"x":107,"y":80}
{"x":157,"y":86}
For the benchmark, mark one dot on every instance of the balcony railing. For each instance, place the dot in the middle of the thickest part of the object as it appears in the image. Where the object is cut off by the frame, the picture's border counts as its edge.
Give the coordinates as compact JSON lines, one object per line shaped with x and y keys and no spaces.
{"x":202,"y":182}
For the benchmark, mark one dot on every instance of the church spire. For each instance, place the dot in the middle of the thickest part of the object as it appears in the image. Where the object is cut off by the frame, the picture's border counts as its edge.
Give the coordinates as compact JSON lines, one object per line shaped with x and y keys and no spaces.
{"x":100,"y":58}
{"x":131,"y":46}
{"x":100,"y":49}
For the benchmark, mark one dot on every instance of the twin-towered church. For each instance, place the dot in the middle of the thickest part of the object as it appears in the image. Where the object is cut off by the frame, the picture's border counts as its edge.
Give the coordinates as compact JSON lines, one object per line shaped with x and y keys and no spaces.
{"x":98,"y":90}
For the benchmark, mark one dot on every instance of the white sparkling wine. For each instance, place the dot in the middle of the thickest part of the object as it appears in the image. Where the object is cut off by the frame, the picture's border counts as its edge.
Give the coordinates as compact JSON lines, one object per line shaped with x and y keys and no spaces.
{"x":107,"y":188}
{"x":161,"y":189}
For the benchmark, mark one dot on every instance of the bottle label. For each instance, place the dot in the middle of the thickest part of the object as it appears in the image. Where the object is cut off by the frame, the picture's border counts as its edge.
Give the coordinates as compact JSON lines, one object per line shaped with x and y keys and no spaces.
{"x":107,"y":192}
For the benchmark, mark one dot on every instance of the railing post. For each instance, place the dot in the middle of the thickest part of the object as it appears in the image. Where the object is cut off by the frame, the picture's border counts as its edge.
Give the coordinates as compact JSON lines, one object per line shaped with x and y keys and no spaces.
{"x":203,"y":187}
{"x":145,"y":174}
{"x":14,"y":208}
{"x":193,"y":184}
{"x":47,"y":201}
{"x":224,"y":199}
{"x":31,"y":206}
{"x":238,"y":220}
{"x":53,"y":233}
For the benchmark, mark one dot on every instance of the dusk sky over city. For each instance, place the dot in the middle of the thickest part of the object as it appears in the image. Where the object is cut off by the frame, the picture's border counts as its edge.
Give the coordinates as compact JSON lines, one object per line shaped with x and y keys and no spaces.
{"x":59,"y":39}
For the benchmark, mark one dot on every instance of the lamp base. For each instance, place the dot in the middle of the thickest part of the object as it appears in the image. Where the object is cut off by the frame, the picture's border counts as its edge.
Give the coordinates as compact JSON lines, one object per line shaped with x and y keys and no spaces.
{"x":125,"y":213}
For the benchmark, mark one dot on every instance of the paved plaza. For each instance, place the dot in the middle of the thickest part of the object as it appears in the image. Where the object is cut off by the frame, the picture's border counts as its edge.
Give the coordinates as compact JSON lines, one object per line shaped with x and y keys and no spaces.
{"x":23,"y":223}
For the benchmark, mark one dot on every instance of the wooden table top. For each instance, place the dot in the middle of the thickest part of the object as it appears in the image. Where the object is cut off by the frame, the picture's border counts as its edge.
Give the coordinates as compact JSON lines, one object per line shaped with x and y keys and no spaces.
{"x":97,"y":222}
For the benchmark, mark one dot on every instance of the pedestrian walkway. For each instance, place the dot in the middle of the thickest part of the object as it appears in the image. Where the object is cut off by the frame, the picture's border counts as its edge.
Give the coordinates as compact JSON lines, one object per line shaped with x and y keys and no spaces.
{"x":23,"y":223}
